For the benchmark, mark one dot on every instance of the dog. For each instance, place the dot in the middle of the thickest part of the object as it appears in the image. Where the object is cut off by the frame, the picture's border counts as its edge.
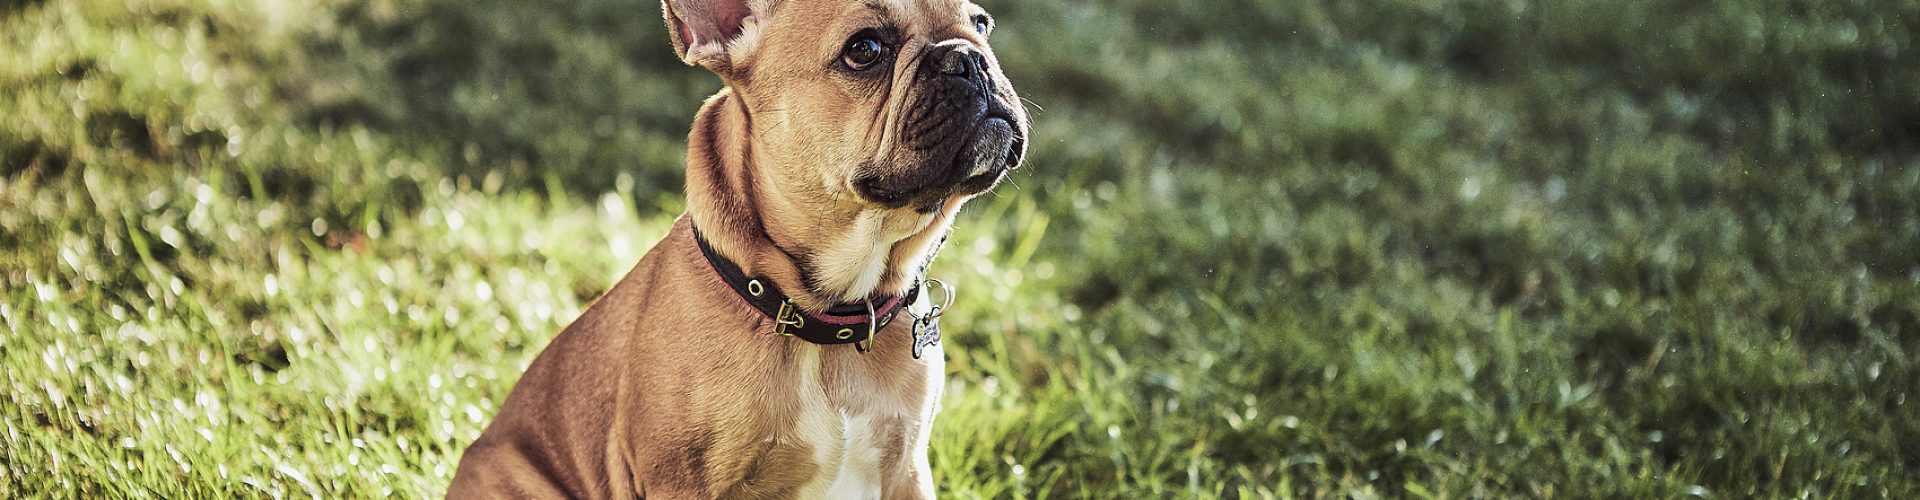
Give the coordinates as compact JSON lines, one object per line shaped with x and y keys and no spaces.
{"x":780,"y":341}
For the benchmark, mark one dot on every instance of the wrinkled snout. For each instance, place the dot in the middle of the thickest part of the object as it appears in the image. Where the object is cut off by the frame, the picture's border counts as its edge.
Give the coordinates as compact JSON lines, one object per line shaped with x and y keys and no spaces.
{"x":963,"y":131}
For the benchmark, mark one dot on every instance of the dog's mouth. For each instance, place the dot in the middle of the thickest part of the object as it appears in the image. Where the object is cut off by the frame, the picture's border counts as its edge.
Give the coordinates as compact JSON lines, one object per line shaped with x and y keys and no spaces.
{"x":994,"y":149}
{"x":995,"y":145}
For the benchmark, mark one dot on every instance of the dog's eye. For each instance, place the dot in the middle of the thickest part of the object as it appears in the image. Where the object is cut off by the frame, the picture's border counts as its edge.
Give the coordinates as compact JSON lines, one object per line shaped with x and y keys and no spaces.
{"x":862,"y":52}
{"x":982,"y":23}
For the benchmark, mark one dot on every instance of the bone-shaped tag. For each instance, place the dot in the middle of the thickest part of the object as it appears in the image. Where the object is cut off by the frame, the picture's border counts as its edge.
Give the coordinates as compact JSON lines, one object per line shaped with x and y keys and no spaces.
{"x":926,"y":332}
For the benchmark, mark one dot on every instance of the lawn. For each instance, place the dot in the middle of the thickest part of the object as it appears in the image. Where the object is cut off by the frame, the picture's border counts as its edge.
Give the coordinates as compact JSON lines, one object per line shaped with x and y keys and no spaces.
{"x":1375,"y":248}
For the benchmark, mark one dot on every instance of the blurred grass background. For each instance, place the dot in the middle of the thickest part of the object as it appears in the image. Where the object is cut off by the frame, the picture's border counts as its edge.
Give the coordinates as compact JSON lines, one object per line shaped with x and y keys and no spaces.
{"x":1643,"y":248}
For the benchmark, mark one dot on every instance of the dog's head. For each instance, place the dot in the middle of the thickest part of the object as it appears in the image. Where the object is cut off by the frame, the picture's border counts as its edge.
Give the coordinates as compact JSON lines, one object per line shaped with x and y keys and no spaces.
{"x":875,"y":104}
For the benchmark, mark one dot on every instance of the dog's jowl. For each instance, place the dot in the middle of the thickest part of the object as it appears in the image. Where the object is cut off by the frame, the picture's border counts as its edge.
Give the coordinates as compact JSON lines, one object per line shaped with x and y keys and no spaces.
{"x":780,"y":341}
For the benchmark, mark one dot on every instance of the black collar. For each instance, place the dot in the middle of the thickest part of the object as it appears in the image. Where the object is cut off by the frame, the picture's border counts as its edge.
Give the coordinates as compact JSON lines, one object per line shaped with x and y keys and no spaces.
{"x":842,"y":324}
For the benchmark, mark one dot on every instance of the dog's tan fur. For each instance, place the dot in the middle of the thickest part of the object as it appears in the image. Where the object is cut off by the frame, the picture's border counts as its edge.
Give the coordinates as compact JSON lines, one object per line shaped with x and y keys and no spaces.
{"x":668,"y":386}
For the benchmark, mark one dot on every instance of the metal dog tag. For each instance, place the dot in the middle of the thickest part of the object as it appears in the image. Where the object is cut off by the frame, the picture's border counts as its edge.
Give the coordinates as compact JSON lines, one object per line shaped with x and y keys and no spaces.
{"x":926,"y":332}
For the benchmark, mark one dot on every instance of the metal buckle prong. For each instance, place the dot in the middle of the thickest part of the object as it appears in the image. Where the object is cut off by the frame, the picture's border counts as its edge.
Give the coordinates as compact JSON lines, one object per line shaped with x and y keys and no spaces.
{"x":788,"y":317}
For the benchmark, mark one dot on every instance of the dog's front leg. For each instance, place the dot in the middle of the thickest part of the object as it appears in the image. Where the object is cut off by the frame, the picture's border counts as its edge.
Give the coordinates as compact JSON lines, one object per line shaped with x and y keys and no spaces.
{"x":917,"y":483}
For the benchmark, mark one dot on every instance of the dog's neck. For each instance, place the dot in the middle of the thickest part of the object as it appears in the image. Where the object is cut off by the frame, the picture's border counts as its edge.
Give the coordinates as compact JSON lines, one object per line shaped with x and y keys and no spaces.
{"x":823,"y":255}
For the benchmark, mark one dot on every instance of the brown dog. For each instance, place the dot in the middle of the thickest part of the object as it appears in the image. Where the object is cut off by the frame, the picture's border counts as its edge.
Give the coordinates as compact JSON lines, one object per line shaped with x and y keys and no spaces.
{"x":752,"y":352}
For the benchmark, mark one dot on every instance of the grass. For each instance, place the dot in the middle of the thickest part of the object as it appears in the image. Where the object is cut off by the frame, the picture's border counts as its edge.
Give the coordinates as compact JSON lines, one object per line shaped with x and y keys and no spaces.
{"x":1261,"y":249}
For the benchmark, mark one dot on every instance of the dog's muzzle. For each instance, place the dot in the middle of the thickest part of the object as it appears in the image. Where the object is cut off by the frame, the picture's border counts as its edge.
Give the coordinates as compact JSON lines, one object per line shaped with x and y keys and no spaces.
{"x":963,"y":129}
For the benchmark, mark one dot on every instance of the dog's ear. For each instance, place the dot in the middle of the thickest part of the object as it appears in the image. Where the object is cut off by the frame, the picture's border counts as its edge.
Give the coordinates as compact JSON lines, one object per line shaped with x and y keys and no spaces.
{"x":714,"y":33}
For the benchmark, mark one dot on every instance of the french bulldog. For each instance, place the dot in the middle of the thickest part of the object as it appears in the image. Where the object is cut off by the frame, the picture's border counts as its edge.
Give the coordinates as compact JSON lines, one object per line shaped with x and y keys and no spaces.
{"x":780,"y":340}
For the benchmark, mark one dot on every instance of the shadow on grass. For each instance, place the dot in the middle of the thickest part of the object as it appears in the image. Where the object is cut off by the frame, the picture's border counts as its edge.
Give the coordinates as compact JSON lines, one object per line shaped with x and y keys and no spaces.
{"x":573,"y":93}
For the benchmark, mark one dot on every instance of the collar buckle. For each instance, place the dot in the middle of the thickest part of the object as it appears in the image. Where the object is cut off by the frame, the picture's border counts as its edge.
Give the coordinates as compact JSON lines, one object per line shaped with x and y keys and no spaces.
{"x":788,"y":318}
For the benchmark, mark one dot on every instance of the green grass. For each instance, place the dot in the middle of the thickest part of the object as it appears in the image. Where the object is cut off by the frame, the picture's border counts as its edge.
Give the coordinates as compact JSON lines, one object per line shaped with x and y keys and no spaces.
{"x":1376,"y":248}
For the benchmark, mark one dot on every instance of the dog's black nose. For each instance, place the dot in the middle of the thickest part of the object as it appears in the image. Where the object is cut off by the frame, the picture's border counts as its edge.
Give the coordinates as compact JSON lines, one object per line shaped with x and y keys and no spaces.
{"x":958,"y":58}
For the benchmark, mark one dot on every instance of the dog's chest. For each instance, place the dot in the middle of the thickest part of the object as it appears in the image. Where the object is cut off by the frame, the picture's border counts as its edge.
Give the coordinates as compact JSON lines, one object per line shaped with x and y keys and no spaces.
{"x":845,"y":439}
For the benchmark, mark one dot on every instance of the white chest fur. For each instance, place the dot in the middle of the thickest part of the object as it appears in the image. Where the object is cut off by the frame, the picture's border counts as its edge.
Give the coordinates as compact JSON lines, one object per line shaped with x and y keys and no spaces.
{"x":847,"y":440}
{"x":842,"y":441}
